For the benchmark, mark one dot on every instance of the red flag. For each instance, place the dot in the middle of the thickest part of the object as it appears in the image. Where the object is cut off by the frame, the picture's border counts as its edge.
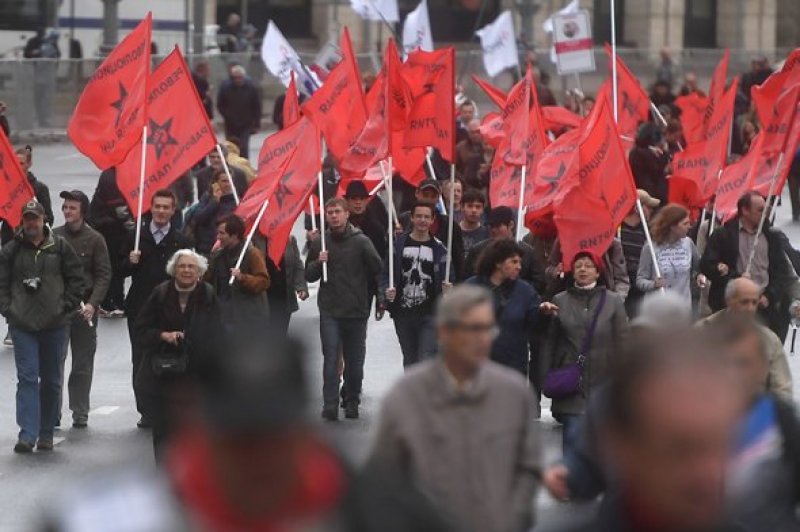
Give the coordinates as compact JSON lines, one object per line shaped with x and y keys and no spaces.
{"x":390,"y":98}
{"x":111,"y":112}
{"x":288,"y":191}
{"x":554,"y":173}
{"x":557,"y":118}
{"x":702,"y":161}
{"x":431,"y":121}
{"x":588,"y":214}
{"x":684,"y":191}
{"x":633,"y":103}
{"x":492,"y":129}
{"x":408,"y":163}
{"x":765,"y":95}
{"x":504,"y":183}
{"x":372,"y":178}
{"x":717,"y":87}
{"x":516,"y":112}
{"x":279,"y":147}
{"x":736,"y":179}
{"x":498,"y":96}
{"x":765,"y":168}
{"x":338,"y":108}
{"x":781,"y":120}
{"x":178,"y":133}
{"x":15,"y":189}
{"x":693,"y":109}
{"x":291,"y":104}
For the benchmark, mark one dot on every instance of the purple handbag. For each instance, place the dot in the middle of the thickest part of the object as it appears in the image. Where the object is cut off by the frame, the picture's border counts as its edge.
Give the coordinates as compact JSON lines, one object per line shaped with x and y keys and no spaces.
{"x":566,"y":381}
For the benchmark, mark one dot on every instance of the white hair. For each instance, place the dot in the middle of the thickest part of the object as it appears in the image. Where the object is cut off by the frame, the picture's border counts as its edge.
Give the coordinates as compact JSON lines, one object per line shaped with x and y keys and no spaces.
{"x":202,"y":262}
{"x":238,"y":70}
{"x":460,"y":300}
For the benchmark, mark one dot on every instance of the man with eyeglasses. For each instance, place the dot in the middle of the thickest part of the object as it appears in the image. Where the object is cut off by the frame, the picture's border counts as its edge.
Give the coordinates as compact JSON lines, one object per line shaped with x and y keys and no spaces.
{"x":459,"y":426}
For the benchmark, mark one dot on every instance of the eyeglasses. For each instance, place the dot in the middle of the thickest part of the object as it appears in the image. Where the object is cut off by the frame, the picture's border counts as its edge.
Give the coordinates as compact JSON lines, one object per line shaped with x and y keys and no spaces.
{"x":477,"y":328}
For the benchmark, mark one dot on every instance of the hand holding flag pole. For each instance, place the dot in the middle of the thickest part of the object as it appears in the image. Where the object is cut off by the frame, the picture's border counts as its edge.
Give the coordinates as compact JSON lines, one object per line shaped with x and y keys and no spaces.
{"x":763,"y":215}
{"x":140,"y":199}
{"x":228,"y":173}
{"x":249,"y":238}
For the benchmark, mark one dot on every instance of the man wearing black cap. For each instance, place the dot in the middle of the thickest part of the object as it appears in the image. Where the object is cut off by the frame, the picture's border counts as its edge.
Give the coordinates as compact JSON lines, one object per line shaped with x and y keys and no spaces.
{"x":502,"y":224}
{"x":81,"y":332}
{"x":41,"y":284}
{"x":368,"y":214}
{"x":429,"y":192}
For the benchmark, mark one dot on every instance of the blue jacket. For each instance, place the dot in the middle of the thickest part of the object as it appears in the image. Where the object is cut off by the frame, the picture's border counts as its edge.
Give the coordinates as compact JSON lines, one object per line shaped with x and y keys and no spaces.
{"x":516,"y":309}
{"x":439,"y":267}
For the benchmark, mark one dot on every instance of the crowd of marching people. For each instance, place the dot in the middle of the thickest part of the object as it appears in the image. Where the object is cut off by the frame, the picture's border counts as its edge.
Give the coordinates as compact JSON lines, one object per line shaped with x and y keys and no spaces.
{"x":662,"y":358}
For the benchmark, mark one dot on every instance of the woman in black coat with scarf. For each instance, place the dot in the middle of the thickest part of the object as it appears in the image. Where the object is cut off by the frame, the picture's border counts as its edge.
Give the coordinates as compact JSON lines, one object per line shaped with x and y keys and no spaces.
{"x":179,"y":324}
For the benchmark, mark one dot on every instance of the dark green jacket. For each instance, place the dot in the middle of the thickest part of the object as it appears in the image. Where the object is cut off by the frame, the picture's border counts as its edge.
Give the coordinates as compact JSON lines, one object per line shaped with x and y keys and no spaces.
{"x":91,"y":249}
{"x":353,"y":262}
{"x":62,"y":284}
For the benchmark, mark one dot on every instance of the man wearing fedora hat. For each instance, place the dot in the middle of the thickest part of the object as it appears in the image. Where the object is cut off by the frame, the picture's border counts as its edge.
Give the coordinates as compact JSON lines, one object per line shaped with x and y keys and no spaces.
{"x":82,"y":333}
{"x":41,"y":284}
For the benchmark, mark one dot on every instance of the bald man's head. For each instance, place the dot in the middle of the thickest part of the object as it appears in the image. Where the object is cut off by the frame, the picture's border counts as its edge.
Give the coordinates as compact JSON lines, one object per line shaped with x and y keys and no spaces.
{"x":742,"y":295}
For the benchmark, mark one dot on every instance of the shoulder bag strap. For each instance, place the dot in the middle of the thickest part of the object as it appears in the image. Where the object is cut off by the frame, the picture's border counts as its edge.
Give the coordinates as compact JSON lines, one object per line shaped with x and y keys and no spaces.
{"x":587,"y":340}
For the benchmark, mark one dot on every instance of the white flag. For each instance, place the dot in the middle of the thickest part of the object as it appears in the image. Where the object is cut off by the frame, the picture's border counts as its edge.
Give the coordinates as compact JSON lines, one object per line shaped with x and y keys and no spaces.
{"x":280,"y":59}
{"x":499,"y":44}
{"x":417,"y":30}
{"x":376,"y":10}
{"x":570,"y":9}
{"x":278,"y":55}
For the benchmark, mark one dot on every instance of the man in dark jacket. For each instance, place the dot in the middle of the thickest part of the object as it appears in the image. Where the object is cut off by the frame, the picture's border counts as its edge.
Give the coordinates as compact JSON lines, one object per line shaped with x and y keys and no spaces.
{"x":429,"y":192}
{"x":728,"y":253}
{"x":41,"y":283}
{"x":147,"y":269}
{"x":82,"y":330}
{"x":502,"y":224}
{"x":368,"y":214}
{"x":200,"y":76}
{"x":419,"y":264}
{"x":239,"y":103}
{"x":344,"y":303}
{"x":110,"y":216}
{"x":206,"y":175}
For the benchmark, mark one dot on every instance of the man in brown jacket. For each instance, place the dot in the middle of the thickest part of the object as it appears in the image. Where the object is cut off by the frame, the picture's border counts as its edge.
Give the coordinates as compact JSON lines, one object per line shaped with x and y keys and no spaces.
{"x":243,"y":302}
{"x":741,"y":297}
{"x":460,"y":426}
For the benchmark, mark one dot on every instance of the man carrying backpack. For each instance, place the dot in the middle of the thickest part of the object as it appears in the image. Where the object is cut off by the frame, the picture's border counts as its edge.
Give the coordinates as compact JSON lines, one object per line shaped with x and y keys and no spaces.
{"x":41,"y":284}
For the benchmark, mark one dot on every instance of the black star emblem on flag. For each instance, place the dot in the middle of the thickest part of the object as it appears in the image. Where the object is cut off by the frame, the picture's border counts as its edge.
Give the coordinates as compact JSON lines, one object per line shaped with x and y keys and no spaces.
{"x":160,"y":136}
{"x":553,"y":180}
{"x":282,"y":191}
{"x":119,"y":105}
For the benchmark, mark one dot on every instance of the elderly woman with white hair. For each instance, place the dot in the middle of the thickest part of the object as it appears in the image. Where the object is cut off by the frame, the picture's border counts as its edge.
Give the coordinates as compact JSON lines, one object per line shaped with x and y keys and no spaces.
{"x":178,"y":323}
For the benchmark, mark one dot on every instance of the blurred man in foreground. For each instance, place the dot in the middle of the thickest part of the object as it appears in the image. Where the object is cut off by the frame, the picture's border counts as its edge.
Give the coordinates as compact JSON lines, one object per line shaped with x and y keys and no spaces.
{"x":246,"y":459}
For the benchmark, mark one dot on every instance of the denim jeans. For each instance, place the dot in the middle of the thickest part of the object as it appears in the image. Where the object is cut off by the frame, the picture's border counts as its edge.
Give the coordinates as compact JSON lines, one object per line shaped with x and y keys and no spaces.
{"x":351,"y":334}
{"x":38,"y":359}
{"x":417,"y":337}
{"x":570,"y":427}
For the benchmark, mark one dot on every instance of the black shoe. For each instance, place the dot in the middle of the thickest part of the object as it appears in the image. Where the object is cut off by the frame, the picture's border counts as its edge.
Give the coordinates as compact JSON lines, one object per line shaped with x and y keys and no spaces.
{"x":330,"y":414}
{"x":351,"y":410}
{"x":144,"y":423}
{"x":79,"y":423}
{"x":44,"y":444}
{"x":23,"y":447}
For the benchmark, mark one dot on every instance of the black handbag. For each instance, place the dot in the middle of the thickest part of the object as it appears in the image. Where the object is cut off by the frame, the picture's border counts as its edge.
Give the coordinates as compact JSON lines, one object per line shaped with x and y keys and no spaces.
{"x":171,"y":360}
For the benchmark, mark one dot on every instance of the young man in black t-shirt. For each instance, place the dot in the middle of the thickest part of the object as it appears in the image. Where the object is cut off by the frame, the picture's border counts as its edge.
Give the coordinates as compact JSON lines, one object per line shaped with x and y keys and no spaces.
{"x":419,"y":264}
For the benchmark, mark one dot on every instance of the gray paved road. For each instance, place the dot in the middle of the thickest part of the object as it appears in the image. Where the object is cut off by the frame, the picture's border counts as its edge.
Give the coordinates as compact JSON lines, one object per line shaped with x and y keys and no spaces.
{"x":26,"y":482}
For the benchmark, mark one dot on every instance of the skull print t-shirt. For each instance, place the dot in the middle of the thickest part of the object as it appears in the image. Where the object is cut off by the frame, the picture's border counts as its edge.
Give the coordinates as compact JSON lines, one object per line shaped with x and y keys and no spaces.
{"x":417,"y":294}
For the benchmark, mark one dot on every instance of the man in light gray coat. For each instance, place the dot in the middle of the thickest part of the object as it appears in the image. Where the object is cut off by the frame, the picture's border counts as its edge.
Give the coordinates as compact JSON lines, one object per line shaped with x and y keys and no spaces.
{"x":461,"y":426}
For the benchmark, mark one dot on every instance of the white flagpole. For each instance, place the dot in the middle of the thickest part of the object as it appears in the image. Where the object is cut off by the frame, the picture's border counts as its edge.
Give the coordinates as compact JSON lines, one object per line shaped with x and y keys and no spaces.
{"x":521,"y":206}
{"x":614,"y":59}
{"x":323,"y":247}
{"x":313,"y":214}
{"x":228,"y":173}
{"x":450,"y":223}
{"x":656,"y":269}
{"x":250,"y":235}
{"x":763,"y":215}
{"x":388,"y":178}
{"x":140,"y":205}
